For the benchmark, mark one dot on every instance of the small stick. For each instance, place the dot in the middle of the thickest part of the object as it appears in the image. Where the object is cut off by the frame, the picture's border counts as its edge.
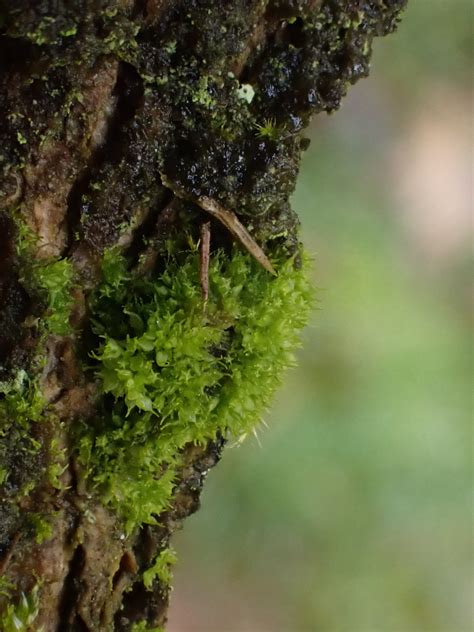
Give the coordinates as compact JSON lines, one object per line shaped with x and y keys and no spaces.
{"x":230,"y":221}
{"x":204,"y":259}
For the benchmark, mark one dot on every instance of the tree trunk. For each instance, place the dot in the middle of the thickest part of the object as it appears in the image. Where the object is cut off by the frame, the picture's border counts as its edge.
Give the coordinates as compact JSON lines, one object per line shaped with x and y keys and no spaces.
{"x":125,"y":127}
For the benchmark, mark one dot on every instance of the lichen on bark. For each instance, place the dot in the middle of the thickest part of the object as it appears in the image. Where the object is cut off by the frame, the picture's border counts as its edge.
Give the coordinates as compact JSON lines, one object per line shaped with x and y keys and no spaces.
{"x":123,"y":124}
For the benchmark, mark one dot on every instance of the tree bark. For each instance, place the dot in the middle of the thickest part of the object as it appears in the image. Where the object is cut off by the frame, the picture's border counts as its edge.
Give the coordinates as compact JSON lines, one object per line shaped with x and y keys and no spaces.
{"x":118,"y":120}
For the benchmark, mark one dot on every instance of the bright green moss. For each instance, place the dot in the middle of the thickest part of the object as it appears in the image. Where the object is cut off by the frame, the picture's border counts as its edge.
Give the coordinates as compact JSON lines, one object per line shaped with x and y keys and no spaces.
{"x":202,"y":95}
{"x":42,"y":526}
{"x":21,"y":404}
{"x":119,"y":36}
{"x":142,"y":626}
{"x":21,"y":139}
{"x":49,"y":285}
{"x":269,"y":129}
{"x":174,"y":371}
{"x":161,"y":569}
{"x":21,"y":616}
{"x":54,"y":280}
{"x":58,"y":464}
{"x":49,"y":281}
{"x":21,"y":400}
{"x":69,"y":31}
{"x":25,"y":461}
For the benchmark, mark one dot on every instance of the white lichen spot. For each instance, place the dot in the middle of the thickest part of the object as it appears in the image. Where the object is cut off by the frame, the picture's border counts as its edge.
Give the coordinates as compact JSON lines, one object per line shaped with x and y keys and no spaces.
{"x":246,"y":92}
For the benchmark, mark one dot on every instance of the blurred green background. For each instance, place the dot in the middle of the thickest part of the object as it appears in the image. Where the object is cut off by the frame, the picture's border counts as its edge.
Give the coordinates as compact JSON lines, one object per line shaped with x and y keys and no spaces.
{"x":353,"y":513}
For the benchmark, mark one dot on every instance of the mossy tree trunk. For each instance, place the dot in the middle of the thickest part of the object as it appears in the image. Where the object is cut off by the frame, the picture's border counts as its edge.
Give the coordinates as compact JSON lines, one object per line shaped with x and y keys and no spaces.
{"x":124,"y":125}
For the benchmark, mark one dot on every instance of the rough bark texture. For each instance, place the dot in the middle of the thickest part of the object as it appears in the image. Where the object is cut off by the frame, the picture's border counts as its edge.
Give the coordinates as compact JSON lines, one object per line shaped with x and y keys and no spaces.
{"x":117,"y":118}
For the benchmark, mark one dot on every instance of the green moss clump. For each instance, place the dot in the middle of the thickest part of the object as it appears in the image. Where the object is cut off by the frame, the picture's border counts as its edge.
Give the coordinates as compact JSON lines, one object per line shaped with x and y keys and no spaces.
{"x":54,"y":281}
{"x":142,"y":626}
{"x":49,"y":283}
{"x":20,"y":617}
{"x":21,"y":404}
{"x":21,"y":399}
{"x":176,"y":372}
{"x":42,"y":525}
{"x":28,"y":456}
{"x":161,"y":569}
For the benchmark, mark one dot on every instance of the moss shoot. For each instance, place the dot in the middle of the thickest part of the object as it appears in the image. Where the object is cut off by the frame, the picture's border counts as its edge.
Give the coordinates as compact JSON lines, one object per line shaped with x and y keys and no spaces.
{"x":20,"y":616}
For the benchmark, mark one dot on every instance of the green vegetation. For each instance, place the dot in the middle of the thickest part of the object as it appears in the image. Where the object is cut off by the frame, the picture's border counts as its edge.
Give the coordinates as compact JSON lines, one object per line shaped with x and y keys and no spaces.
{"x":142,"y":626}
{"x":48,"y":281}
{"x":21,"y":399}
{"x":42,"y":525}
{"x":29,"y":457}
{"x":161,"y":569}
{"x":269,"y":129}
{"x":21,"y":404}
{"x":175,"y":371}
{"x":19,"y":617}
{"x":54,"y":282}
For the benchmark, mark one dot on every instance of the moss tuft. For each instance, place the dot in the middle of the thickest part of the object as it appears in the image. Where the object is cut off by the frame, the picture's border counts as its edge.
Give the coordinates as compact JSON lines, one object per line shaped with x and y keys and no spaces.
{"x":174,"y":371}
{"x":21,"y":399}
{"x":29,"y":456}
{"x":161,"y":569}
{"x":42,"y":525}
{"x":54,"y":282}
{"x":142,"y":626}
{"x":21,"y":616}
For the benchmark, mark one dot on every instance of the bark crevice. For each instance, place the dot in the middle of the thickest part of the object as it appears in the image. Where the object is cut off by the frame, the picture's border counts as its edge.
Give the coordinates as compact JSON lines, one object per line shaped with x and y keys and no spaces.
{"x":67,"y":614}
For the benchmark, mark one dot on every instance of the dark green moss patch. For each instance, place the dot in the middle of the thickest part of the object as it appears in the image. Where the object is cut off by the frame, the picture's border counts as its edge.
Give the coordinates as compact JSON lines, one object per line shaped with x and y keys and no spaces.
{"x":29,"y":456}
